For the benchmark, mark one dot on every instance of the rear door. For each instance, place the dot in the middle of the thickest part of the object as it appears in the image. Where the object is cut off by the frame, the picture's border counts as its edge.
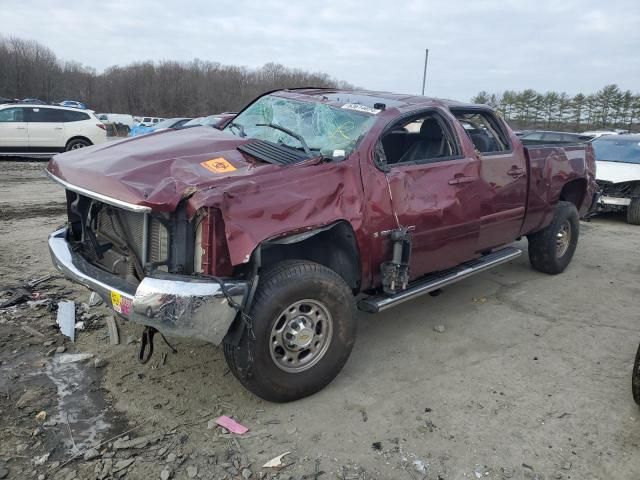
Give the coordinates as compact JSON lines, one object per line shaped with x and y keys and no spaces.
{"x":13,"y":130}
{"x":435,"y":192}
{"x":46,"y":129}
{"x":503,"y":170}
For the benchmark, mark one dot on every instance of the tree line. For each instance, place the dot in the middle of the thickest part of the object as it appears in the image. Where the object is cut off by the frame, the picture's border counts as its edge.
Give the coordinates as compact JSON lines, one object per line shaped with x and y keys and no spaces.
{"x":608,"y":108}
{"x":166,"y":88}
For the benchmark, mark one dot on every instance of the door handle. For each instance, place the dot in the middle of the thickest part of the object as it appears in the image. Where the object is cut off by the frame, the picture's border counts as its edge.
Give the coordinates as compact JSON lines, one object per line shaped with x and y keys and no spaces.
{"x":459,"y":178}
{"x":57,"y":128}
{"x":21,"y":128}
{"x":516,"y":172}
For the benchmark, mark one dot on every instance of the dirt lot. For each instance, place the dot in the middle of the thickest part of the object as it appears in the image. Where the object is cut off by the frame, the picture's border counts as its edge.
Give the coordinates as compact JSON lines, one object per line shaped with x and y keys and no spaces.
{"x":529,"y":379}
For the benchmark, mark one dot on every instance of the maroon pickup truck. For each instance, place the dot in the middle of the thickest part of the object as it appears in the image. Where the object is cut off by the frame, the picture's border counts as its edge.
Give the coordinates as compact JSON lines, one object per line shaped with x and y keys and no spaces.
{"x":265,"y":234}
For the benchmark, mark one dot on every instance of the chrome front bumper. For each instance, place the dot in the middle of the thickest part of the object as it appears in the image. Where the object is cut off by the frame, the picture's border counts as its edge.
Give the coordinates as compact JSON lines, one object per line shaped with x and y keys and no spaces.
{"x":174,"y":304}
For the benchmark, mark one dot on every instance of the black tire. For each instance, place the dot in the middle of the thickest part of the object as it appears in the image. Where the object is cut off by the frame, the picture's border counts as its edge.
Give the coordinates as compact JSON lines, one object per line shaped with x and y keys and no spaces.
{"x":254,"y":362}
{"x":545,"y":252}
{"x":633,"y":211}
{"x":635,"y":378}
{"x":77,"y":143}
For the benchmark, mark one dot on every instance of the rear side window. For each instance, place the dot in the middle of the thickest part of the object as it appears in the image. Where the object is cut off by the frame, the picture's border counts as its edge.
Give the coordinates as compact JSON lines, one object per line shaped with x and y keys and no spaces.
{"x":38,"y":115}
{"x":12,"y":115}
{"x":75,"y":116}
{"x":533,"y":136}
{"x":554,"y":137}
{"x":484,"y":130}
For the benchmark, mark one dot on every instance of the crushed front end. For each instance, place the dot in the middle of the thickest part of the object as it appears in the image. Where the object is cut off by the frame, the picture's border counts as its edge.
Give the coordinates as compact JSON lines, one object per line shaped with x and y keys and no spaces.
{"x":146,"y":265}
{"x":616,"y":197}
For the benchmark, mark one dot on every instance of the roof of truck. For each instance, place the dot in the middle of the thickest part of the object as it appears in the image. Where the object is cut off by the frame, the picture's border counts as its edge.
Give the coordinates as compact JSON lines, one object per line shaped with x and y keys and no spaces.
{"x":370,"y":97}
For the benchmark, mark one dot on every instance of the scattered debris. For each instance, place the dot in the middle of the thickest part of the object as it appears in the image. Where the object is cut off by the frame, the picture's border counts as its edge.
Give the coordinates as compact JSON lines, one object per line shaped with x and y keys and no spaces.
{"x":61,"y":349}
{"x":276,"y":462}
{"x":506,"y":472}
{"x":74,"y":357}
{"x":166,"y":474}
{"x":16,"y":295}
{"x":67,"y":319}
{"x":439,"y":328}
{"x":38,"y":280}
{"x":479,"y":300}
{"x":79,"y":326}
{"x":91,"y":454}
{"x":192,"y":472}
{"x":122,"y":464}
{"x":377,"y":446}
{"x":131,"y":339}
{"x":94,"y":299}
{"x":420,"y":466}
{"x":32,"y":331}
{"x":41,"y":460}
{"x":99,"y":363}
{"x":139,"y":442}
{"x":231,"y":425}
{"x":566,"y":465}
{"x":114,"y":336}
{"x":41,"y":416}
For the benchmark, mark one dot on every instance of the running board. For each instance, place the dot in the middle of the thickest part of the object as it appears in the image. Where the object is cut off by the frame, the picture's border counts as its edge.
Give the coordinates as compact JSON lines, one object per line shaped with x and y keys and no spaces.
{"x":438,"y":280}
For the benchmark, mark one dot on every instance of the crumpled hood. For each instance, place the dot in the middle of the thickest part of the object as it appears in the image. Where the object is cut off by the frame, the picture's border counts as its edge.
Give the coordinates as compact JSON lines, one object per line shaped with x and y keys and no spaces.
{"x":159,"y":169}
{"x":616,"y":172}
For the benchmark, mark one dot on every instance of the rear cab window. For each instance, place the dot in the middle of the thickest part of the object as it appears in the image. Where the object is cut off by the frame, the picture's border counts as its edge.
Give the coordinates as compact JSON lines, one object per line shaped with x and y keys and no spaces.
{"x":484,"y":130}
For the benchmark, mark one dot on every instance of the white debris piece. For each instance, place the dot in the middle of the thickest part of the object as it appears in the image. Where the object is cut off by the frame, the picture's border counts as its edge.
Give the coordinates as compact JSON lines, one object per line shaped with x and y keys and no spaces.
{"x":67,"y":319}
{"x":74,"y":357}
{"x":275,"y":462}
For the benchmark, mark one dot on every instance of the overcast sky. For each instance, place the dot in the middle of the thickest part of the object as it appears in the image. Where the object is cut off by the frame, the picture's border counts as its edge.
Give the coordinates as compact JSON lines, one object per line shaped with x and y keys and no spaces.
{"x":564,"y":45}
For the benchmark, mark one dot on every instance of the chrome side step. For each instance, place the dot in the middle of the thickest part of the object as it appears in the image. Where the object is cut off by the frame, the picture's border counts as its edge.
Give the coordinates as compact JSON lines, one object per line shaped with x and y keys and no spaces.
{"x":438,"y":280}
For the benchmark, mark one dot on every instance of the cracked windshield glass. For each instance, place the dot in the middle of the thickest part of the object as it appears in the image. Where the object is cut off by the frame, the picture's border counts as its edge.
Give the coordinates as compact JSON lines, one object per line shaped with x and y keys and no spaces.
{"x":314,"y":128}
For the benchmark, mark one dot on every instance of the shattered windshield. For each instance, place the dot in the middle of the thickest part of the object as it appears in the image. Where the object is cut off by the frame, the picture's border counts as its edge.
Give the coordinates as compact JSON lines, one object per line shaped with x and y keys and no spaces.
{"x":314,"y":128}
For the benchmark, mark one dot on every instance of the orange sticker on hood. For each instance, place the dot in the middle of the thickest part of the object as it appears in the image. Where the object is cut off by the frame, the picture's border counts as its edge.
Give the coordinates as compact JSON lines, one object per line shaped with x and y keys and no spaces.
{"x":218,"y":165}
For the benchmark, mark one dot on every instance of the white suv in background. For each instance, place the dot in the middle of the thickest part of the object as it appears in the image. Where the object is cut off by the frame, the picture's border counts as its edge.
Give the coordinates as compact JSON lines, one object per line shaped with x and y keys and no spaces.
{"x":47,"y":129}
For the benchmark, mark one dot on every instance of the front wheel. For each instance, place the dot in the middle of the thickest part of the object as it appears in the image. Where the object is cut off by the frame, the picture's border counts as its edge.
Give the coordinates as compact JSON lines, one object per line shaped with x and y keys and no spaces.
{"x":303,"y":330}
{"x":552,"y":248}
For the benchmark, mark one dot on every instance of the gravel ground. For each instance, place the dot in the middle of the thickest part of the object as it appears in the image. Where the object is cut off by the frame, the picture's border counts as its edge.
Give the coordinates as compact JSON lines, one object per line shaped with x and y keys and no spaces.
{"x":510,"y":374}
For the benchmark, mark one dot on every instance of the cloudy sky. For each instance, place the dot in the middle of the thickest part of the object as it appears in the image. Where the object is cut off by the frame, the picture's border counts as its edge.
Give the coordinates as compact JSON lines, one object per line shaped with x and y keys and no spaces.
{"x":493,"y":45}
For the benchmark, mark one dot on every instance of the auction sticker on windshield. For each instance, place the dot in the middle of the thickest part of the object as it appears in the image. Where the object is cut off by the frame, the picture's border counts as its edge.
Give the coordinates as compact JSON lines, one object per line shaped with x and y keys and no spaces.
{"x":120,"y":304}
{"x":361,"y":108}
{"x":218,"y":165}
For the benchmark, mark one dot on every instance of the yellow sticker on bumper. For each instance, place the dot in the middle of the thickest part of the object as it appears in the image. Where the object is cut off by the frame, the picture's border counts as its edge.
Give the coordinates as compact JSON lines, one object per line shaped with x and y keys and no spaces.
{"x":120,"y":304}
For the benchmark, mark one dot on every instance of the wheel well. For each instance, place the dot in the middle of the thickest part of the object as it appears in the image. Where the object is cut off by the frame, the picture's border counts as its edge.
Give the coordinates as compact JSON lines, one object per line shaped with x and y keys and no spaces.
{"x":574,"y":192}
{"x":78,"y":137}
{"x":334,"y":247}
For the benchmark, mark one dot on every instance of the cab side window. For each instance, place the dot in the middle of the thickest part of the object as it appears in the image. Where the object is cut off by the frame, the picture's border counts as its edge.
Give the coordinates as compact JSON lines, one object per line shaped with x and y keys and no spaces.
{"x":484,"y":130}
{"x":70,"y":116}
{"x":12,"y":115}
{"x":421,"y":139}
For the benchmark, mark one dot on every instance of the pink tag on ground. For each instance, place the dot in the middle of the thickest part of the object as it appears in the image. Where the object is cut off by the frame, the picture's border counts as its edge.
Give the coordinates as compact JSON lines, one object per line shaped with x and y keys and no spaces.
{"x":231,"y":425}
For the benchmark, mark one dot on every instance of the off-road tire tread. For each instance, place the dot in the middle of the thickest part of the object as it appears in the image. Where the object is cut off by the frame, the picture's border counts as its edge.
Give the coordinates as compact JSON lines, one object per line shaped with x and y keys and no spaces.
{"x":542,"y":244}
{"x":274,"y":278}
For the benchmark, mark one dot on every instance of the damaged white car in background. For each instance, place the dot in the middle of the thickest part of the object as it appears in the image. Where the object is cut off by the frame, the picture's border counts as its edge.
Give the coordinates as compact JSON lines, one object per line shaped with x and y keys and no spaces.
{"x":618,"y":174}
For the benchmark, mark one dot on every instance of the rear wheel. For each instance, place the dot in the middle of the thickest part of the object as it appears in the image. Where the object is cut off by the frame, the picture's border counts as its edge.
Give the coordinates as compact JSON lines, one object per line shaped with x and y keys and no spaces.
{"x":303,"y":332}
{"x":635,"y":378}
{"x":76,"y":144}
{"x":633,"y":211}
{"x":552,"y":248}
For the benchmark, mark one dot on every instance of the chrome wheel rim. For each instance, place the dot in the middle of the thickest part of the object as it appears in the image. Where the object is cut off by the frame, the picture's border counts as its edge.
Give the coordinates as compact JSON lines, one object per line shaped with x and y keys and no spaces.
{"x":563,"y":239}
{"x":301,"y":335}
{"x":76,"y":146}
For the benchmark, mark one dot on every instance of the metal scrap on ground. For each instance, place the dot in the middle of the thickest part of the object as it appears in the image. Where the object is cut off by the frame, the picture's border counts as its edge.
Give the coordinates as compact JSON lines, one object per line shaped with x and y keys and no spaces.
{"x":67,"y":319}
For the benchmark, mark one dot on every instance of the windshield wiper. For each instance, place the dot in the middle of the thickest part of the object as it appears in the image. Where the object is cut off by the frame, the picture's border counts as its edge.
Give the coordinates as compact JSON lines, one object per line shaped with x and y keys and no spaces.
{"x":295,"y":135}
{"x":239,"y":127}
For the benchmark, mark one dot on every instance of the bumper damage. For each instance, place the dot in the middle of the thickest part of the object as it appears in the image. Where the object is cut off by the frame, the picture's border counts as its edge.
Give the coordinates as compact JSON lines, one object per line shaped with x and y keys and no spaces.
{"x":175,"y":305}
